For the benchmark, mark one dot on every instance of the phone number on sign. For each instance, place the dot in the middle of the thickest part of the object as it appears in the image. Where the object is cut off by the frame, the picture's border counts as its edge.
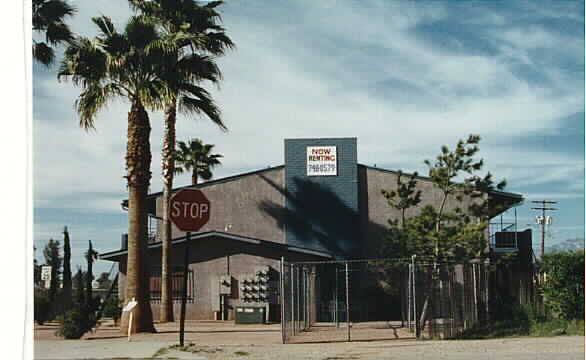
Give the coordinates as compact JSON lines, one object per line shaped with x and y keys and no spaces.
{"x":321,"y":168}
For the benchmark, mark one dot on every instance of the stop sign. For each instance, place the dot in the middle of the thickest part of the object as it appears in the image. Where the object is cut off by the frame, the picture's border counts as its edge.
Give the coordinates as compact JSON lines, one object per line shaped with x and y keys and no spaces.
{"x":189,"y":209}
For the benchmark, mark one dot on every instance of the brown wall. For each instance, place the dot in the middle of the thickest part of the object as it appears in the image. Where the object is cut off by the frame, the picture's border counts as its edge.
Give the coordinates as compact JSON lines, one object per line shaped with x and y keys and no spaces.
{"x":235,"y":206}
{"x":376,"y":212}
{"x":209,"y":260}
{"x":237,"y":202}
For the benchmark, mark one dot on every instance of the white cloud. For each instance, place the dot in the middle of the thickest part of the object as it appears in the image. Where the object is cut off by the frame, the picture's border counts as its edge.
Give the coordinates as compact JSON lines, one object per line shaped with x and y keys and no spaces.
{"x":337,"y":69}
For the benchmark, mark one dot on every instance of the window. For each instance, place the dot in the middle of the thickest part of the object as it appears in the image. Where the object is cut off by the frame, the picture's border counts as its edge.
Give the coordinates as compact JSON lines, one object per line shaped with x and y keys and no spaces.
{"x":176,"y":285}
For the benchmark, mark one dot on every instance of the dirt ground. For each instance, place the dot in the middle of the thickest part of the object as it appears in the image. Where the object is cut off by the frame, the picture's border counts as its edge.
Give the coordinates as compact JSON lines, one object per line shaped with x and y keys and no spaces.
{"x":225,"y":340}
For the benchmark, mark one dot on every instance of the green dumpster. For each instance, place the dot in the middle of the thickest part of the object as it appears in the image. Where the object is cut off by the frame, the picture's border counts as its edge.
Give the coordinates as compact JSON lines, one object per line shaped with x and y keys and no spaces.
{"x":250,"y":315}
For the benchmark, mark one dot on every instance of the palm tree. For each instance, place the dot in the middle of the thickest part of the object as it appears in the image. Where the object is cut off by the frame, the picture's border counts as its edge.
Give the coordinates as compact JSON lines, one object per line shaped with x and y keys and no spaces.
{"x":122,"y":65}
{"x":48,"y":18}
{"x":196,"y":157}
{"x":192,"y":34}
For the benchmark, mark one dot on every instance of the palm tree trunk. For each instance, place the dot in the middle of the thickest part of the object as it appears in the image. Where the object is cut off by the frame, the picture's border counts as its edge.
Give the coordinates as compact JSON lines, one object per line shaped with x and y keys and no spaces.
{"x":168,"y":166}
{"x":138,"y":175}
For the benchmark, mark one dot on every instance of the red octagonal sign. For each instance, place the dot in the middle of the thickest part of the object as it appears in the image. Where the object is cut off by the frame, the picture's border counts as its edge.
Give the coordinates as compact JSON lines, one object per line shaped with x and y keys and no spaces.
{"x":189,"y":209}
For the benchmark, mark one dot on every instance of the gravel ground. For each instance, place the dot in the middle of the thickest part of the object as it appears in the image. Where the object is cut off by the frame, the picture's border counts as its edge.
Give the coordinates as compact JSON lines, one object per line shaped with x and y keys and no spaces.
{"x":217,"y":340}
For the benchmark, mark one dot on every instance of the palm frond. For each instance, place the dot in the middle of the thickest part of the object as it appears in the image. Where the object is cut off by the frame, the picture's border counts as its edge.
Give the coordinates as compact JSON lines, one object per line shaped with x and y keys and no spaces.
{"x":83,"y":62}
{"x":217,"y":43}
{"x":140,"y":33}
{"x":105,"y":24}
{"x":48,"y":16}
{"x":43,"y":53}
{"x":197,"y":100}
{"x":57,"y":33}
{"x":91,"y":100}
{"x":198,"y":68}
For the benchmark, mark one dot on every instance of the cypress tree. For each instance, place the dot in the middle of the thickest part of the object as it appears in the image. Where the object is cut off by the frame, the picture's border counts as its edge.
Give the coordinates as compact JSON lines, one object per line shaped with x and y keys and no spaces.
{"x":67,"y":286}
{"x":90,"y":256}
{"x":52,"y":258}
{"x":79,"y":288}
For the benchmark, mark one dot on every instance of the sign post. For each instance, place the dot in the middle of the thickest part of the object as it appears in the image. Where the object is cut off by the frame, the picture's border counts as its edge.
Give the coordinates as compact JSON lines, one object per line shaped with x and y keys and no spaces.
{"x":189,"y":211}
{"x":129,"y":307}
{"x":184,"y":297}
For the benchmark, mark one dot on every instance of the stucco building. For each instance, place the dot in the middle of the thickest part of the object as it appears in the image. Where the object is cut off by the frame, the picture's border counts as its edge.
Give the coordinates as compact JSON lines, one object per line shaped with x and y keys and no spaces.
{"x":321,"y":204}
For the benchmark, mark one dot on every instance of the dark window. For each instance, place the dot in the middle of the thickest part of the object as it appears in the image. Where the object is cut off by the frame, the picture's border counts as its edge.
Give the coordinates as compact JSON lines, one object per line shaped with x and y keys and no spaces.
{"x":176,"y":285}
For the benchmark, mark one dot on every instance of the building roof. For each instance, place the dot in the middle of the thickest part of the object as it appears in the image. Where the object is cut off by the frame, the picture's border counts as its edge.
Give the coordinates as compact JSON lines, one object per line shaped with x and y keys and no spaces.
{"x":508,"y":198}
{"x":116,"y":254}
{"x":212,"y":182}
{"x":511,"y":197}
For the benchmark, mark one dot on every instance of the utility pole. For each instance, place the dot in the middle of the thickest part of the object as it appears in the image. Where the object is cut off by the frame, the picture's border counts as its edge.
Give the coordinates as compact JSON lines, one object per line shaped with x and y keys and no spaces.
{"x":544,"y":219}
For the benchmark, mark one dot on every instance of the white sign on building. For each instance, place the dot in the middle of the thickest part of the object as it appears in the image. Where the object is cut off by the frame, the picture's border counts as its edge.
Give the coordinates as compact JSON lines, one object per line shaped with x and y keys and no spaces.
{"x":322,"y":161}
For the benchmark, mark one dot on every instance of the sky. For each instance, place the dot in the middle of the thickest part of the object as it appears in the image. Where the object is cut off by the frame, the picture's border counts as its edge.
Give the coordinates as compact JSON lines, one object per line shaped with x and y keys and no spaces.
{"x":404,"y":78}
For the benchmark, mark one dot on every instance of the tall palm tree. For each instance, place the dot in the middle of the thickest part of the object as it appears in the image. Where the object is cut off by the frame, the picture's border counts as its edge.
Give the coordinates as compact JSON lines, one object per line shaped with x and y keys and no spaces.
{"x":122,"y":65}
{"x":196,"y":157}
{"x":48,"y":18}
{"x":193,"y":33}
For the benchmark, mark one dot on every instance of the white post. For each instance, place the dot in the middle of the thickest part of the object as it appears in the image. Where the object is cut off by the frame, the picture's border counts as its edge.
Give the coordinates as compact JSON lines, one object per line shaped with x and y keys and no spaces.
{"x":130,"y":306}
{"x":130,"y":326}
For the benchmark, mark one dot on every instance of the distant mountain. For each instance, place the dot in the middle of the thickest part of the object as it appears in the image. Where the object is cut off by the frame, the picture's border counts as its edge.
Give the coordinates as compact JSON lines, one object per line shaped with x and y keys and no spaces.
{"x":566,"y":245}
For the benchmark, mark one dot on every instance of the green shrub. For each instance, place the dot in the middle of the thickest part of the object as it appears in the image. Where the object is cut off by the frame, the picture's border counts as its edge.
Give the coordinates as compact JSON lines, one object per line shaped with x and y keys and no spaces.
{"x":112,"y":308}
{"x":76,"y":322}
{"x":42,"y":307}
{"x":563,"y":288}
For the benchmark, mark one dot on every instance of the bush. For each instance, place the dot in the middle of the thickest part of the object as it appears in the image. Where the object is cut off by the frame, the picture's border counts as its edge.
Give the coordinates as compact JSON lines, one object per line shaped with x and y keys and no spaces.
{"x":112,"y":308}
{"x":563,"y":288}
{"x":76,"y":322}
{"x":523,"y":320}
{"x":42,"y":307}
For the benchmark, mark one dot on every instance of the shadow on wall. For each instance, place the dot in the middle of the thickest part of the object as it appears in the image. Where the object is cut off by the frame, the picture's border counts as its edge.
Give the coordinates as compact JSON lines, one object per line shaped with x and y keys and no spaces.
{"x":318,"y":219}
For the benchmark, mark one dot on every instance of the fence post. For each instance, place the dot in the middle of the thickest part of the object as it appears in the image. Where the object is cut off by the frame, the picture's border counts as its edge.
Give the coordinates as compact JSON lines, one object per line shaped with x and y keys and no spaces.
{"x":307,"y":298}
{"x":292,"y":284}
{"x":475,"y":317}
{"x":415,"y":317}
{"x":409,"y":299}
{"x":298,"y":315}
{"x":347,"y":303}
{"x":336,"y":320}
{"x":282,"y":293}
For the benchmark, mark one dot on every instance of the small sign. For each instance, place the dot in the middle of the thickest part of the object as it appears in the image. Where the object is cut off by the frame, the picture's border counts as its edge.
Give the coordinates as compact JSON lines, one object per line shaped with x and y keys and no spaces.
{"x":46,"y":272}
{"x":322,"y":161}
{"x":131,"y":304}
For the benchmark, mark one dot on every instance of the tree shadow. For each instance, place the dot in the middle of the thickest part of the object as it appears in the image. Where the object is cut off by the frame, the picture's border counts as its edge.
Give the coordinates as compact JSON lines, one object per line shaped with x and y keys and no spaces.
{"x":316,"y":218}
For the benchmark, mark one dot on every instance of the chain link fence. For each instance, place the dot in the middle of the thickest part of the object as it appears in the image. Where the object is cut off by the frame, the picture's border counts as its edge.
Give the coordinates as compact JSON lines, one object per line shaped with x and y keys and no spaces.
{"x":381,"y":299}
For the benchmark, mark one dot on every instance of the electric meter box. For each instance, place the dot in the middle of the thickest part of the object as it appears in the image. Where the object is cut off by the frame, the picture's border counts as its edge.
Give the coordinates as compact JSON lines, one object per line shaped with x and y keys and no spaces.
{"x":225,"y":287}
{"x":250,"y":315}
